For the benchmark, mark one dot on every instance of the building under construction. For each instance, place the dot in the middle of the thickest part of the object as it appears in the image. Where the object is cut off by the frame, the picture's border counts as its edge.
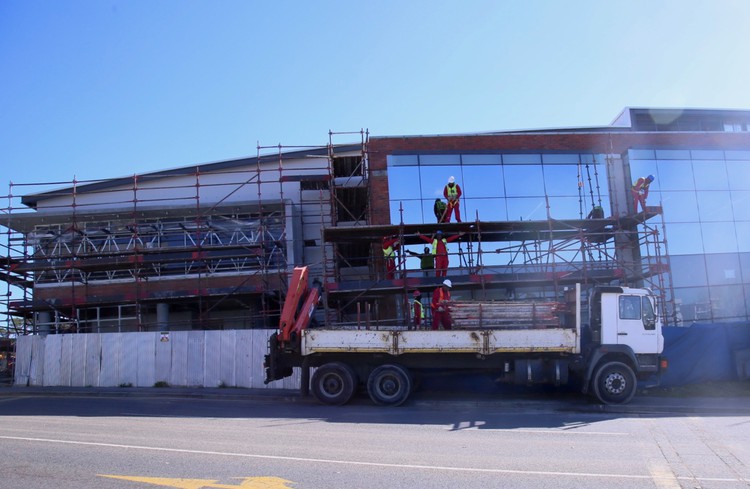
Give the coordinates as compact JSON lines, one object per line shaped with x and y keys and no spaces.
{"x":211,"y":246}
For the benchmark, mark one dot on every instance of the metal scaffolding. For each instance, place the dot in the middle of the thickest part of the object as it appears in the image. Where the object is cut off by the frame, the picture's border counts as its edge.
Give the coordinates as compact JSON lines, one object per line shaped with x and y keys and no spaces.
{"x":212,"y":247}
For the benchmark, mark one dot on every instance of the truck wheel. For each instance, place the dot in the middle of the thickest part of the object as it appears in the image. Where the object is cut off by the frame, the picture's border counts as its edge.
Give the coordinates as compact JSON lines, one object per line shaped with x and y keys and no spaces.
{"x":334,"y":383}
{"x":614,"y":383}
{"x":389,"y":385}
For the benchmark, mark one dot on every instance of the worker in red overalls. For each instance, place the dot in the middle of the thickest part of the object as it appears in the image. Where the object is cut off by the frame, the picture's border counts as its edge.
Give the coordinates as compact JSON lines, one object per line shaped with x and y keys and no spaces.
{"x":452,"y":192}
{"x":640,"y":192}
{"x":390,"y":245}
{"x":417,"y":310}
{"x":440,"y":250}
{"x":441,"y":314}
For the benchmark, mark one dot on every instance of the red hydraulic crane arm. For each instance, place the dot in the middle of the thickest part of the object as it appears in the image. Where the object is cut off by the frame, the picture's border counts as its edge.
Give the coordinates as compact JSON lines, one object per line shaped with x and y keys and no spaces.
{"x":299,"y":306}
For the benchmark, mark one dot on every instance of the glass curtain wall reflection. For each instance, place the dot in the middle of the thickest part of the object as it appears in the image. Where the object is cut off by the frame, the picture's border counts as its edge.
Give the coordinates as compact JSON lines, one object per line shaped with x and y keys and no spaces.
{"x":704,"y":197}
{"x":499,"y":187}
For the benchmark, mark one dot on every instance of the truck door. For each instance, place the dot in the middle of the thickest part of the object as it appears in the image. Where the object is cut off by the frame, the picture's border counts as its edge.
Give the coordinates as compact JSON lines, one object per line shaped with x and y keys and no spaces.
{"x":636,"y":323}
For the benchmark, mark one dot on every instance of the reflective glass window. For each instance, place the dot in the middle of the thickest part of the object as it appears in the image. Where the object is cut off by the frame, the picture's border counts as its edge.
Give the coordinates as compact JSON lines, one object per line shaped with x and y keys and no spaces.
{"x":737,"y":155}
{"x":434,"y":180}
{"x":727,"y":302}
{"x":740,"y":205}
{"x":675,"y":175}
{"x":561,"y":180}
{"x":743,"y":237}
{"x":522,"y":159}
{"x":738,"y":174}
{"x":526,"y":209}
{"x":684,"y":239}
{"x":641,"y":154}
{"x":523,"y":180}
{"x":482,"y":181}
{"x":672,"y":154}
{"x":403,"y":182}
{"x":714,"y":206}
{"x":430,"y":160}
{"x":688,"y":270}
{"x":570,"y":207}
{"x":412,"y":211}
{"x":402,"y":160}
{"x":707,"y":154}
{"x":489,"y":209}
{"x":745,"y":265}
{"x":723,"y":269}
{"x":718,"y":237}
{"x":679,"y":206}
{"x":560,"y":159}
{"x":479,"y":159}
{"x":693,"y":303}
{"x":710,"y":175}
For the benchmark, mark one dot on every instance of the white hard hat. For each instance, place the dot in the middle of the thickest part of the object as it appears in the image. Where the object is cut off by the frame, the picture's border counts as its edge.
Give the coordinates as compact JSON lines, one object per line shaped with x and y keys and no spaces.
{"x":447,"y":283}
{"x":451,"y":180}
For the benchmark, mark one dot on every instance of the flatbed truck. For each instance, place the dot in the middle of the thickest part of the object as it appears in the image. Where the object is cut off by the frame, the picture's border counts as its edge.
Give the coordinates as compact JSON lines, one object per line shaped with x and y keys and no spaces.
{"x":621,"y":344}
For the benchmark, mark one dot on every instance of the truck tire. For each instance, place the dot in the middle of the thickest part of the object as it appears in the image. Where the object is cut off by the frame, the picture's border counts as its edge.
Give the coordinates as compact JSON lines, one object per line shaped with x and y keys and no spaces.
{"x":614,"y":383}
{"x":334,"y":383}
{"x":389,"y":385}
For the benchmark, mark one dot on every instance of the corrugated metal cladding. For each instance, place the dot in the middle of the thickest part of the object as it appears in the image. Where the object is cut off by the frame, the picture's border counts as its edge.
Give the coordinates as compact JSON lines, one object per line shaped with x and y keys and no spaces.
{"x":231,"y":358}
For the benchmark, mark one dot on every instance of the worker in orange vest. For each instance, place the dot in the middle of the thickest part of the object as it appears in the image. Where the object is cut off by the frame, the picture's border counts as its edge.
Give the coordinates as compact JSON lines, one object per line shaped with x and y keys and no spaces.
{"x":440,"y":250}
{"x":441,"y":314}
{"x":640,"y":192}
{"x":452,"y":192}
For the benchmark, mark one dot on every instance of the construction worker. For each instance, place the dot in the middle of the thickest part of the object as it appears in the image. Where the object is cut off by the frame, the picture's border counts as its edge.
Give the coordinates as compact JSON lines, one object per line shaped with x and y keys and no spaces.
{"x":441,"y":314}
{"x":439,"y":209}
{"x":440,"y":250}
{"x":452,"y":192}
{"x":390,"y":245}
{"x":417,"y":310}
{"x":597,"y":212}
{"x":640,"y":192}
{"x":426,"y":260}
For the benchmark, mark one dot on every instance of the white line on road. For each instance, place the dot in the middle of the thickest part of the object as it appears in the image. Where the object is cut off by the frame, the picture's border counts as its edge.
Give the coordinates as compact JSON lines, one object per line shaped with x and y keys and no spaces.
{"x":368,"y":464}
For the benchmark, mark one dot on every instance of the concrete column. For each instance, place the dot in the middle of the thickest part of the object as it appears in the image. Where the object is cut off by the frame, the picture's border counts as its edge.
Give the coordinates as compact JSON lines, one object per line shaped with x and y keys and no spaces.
{"x":43,"y":320}
{"x":627,"y":249}
{"x":162,"y":316}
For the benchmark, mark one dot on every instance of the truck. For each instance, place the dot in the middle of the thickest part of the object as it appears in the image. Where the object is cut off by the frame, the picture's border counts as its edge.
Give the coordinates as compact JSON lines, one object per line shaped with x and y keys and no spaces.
{"x":620,"y":344}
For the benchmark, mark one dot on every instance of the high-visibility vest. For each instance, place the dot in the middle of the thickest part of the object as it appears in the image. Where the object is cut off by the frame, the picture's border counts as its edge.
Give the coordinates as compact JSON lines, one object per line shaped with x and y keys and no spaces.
{"x":388,"y":252}
{"x":435,"y":243}
{"x":442,"y":296}
{"x":452,"y":191}
{"x":641,"y":185}
{"x":421,"y":308}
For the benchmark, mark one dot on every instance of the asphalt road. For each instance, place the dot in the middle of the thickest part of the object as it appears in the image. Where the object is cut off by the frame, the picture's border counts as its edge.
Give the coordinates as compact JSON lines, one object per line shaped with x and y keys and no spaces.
{"x":193,"y":440}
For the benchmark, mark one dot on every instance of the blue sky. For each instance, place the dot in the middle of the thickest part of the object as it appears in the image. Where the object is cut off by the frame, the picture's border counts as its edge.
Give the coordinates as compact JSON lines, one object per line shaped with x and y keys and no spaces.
{"x":99,"y":89}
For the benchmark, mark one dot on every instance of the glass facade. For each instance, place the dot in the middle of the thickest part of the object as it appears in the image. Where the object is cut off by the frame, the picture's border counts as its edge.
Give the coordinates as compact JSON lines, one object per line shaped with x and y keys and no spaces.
{"x":704,"y":196}
{"x":498,"y":187}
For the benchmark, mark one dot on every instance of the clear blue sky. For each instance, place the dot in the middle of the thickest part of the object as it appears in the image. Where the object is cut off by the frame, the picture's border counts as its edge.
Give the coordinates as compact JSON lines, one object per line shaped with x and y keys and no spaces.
{"x":106,"y":88}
